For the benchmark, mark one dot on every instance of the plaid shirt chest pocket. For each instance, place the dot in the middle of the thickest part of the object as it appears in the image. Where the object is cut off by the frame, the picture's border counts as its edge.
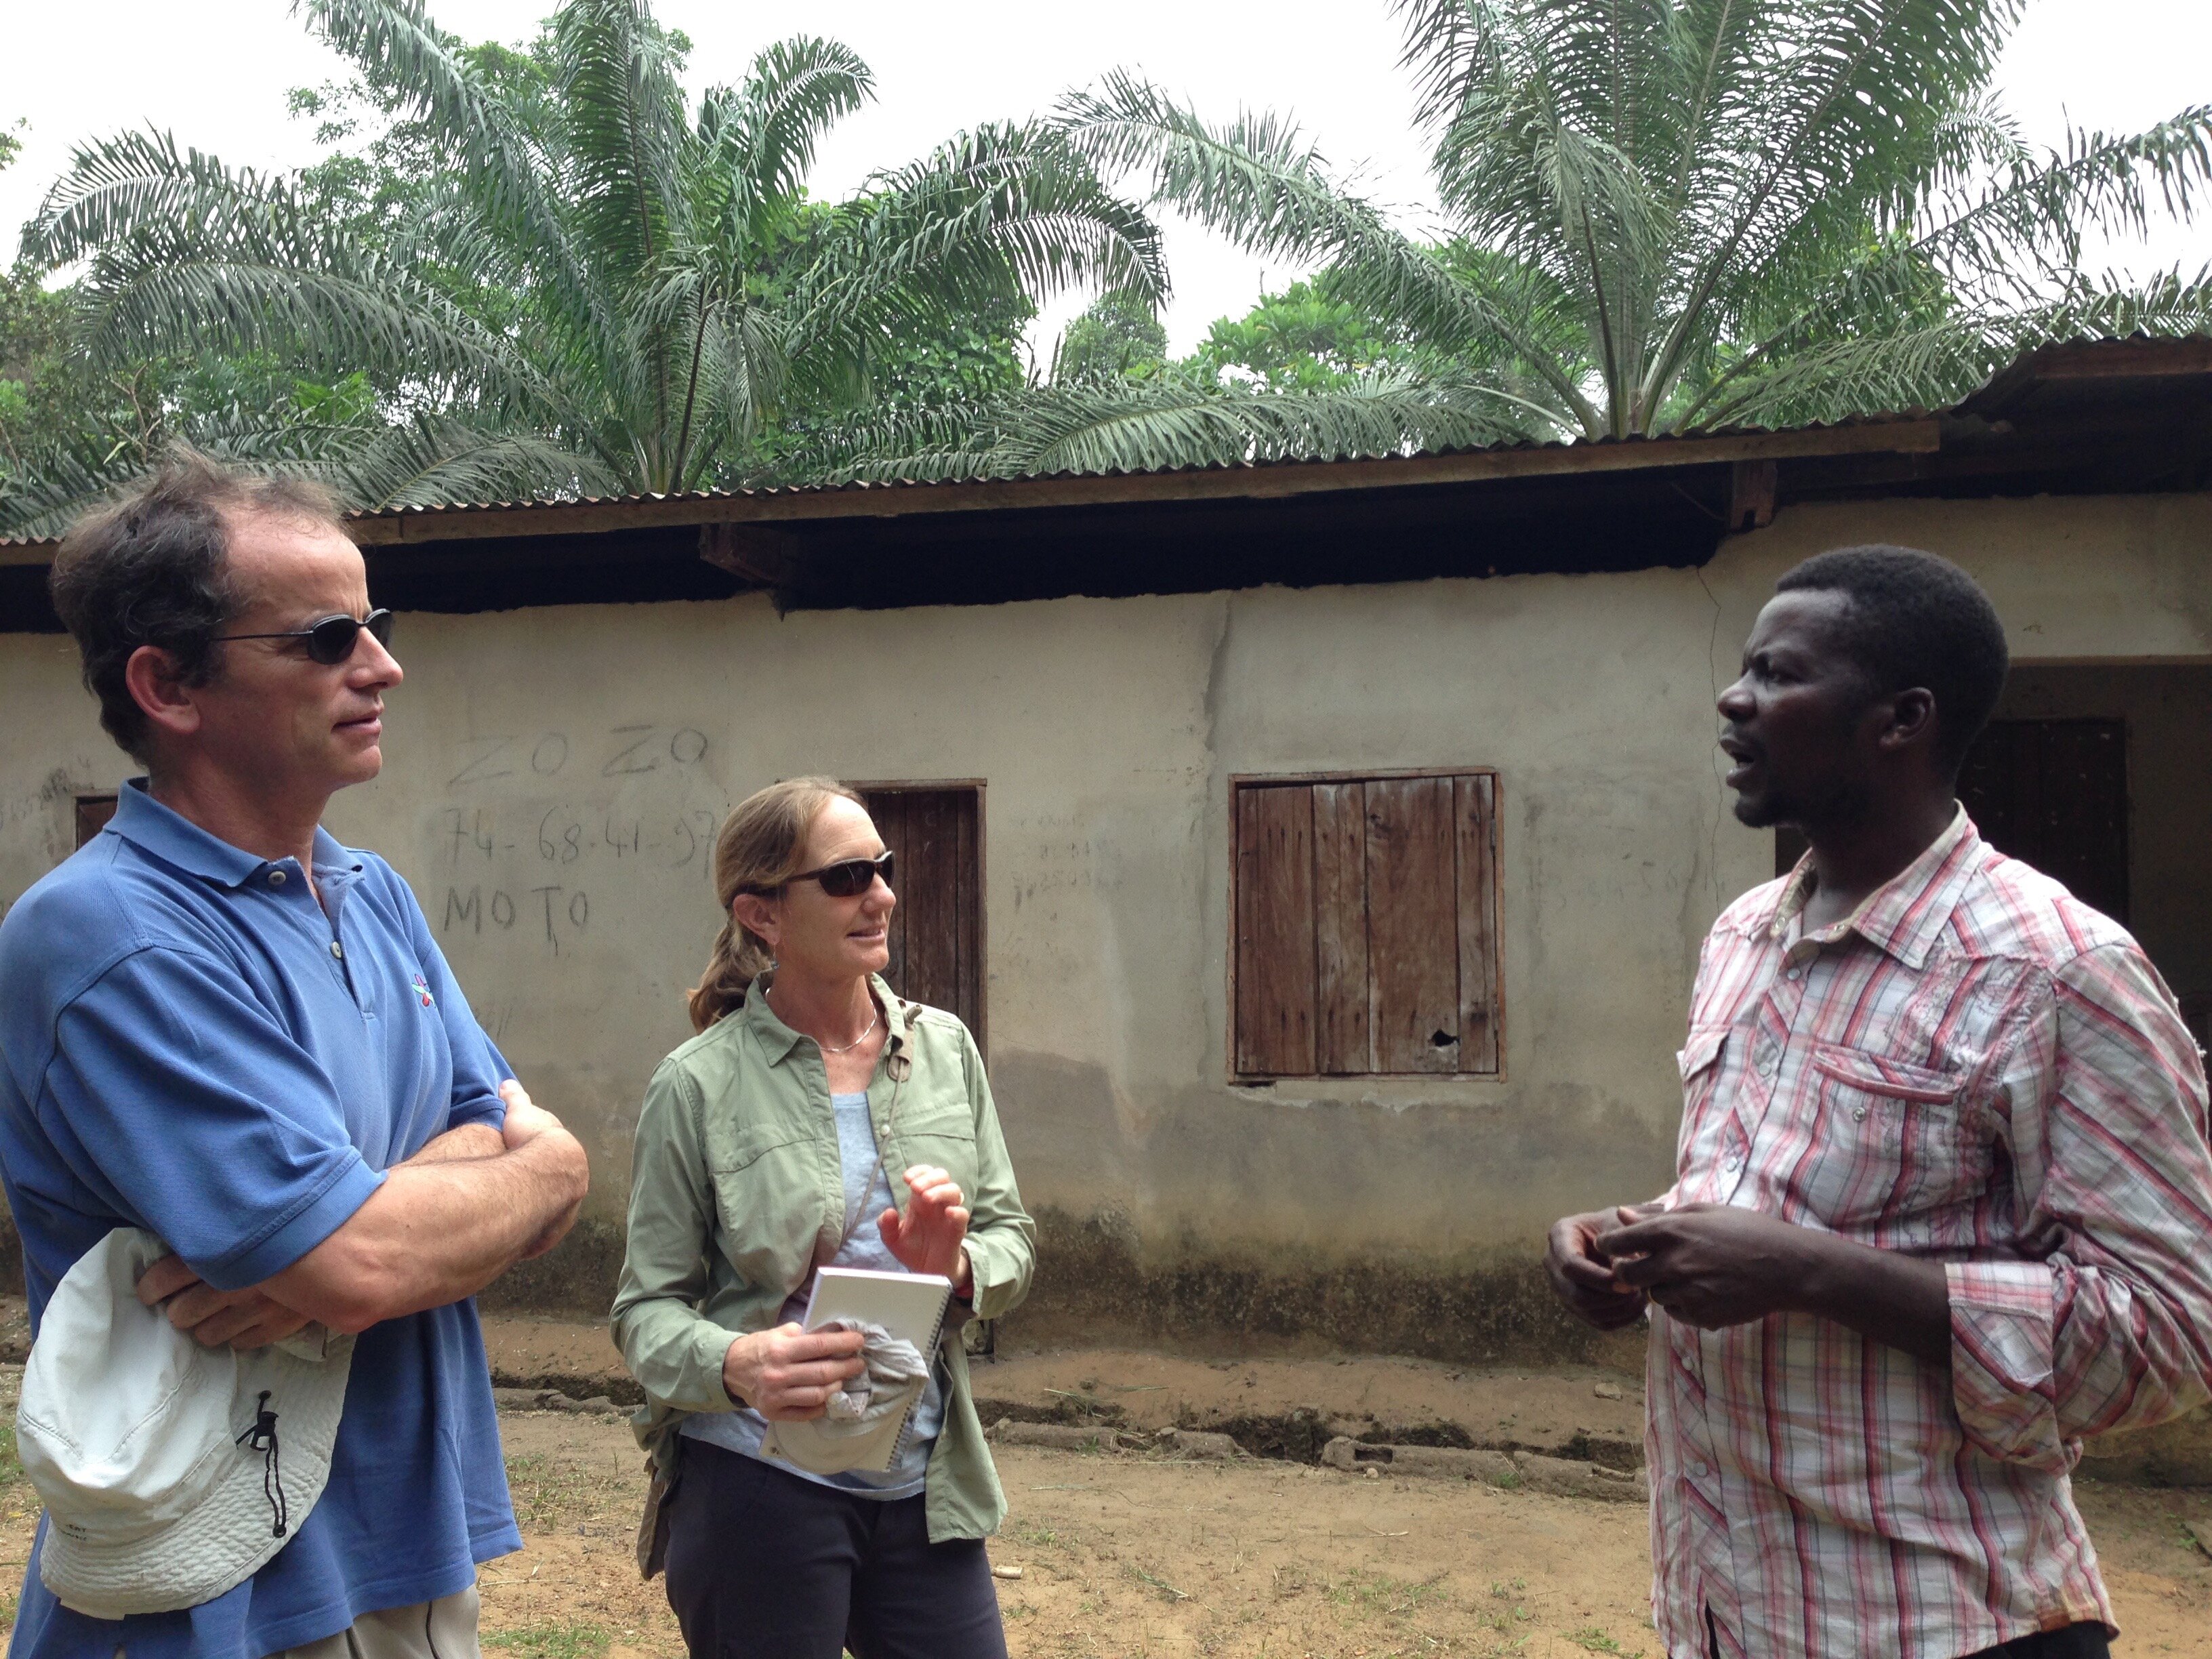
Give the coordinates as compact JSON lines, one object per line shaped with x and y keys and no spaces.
{"x":1702,"y":1062}
{"x":1899,"y":1154}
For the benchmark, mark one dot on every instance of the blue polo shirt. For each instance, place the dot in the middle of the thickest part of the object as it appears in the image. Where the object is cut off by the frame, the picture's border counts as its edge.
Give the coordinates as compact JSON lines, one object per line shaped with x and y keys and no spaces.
{"x":191,"y":1043}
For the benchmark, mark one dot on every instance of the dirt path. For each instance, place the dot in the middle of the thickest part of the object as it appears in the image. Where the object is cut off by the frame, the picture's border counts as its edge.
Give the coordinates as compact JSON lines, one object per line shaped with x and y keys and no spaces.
{"x":1123,"y":1556}
{"x":1132,"y":1556}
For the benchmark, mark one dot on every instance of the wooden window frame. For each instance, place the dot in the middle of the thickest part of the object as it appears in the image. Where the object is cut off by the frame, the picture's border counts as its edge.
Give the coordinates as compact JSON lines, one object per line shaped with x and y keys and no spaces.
{"x":91,"y":818}
{"x":980,"y":1030}
{"x":1238,"y":782}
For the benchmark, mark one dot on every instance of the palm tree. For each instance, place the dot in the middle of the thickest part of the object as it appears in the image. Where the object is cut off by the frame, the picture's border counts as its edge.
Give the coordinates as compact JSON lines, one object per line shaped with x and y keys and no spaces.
{"x":667,"y":300}
{"x":1662,"y":216}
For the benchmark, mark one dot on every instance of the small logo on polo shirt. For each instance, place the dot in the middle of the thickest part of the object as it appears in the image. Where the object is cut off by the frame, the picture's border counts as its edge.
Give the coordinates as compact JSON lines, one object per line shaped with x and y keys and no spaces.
{"x":423,"y":990}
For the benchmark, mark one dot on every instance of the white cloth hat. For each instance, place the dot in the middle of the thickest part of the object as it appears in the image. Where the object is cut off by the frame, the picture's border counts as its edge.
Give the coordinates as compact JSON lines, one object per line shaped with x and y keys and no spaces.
{"x":172,"y":1473}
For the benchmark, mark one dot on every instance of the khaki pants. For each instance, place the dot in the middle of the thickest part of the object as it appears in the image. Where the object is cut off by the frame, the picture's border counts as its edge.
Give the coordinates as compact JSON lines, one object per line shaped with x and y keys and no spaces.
{"x":443,"y":1629}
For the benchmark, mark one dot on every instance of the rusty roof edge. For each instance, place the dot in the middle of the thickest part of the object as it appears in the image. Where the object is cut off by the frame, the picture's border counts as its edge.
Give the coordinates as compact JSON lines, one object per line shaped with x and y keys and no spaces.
{"x":1918,"y":434}
{"x":2136,"y":357}
{"x":1909,"y":432}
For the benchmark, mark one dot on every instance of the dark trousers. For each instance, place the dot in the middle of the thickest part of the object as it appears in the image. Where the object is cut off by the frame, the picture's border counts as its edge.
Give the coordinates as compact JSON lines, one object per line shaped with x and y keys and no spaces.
{"x":763,"y":1564}
{"x":2084,"y":1641}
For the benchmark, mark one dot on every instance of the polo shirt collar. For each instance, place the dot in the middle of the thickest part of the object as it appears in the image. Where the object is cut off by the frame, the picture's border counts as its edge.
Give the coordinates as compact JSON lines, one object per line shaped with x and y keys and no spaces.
{"x":778,"y":1040}
{"x":175,"y":839}
{"x":1907,"y":914}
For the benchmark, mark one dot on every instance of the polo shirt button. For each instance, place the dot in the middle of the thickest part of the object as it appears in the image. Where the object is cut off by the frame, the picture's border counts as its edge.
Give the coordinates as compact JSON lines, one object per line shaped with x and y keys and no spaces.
{"x":337,"y":949}
{"x":276,"y":878}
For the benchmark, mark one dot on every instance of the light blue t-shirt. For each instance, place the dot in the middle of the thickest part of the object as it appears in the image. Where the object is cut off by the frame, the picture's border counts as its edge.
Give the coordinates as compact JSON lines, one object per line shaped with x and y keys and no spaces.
{"x":191,"y":1043}
{"x":742,"y":1430}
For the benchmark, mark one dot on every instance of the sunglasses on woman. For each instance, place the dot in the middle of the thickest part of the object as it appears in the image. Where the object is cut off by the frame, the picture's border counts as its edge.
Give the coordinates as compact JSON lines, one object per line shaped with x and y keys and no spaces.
{"x":332,"y":641}
{"x":847,"y":877}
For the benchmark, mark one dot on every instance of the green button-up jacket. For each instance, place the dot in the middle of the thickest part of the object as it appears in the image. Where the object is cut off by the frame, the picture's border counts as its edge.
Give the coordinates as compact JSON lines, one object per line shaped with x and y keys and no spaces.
{"x":737,"y":1190}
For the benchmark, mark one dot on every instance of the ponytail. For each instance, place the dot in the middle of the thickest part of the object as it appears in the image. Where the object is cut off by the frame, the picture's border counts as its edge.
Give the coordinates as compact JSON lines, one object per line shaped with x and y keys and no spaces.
{"x":760,"y":848}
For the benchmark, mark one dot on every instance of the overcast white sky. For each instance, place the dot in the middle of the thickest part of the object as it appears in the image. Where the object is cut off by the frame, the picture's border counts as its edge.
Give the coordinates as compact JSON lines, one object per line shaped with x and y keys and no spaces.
{"x":214,"y":72}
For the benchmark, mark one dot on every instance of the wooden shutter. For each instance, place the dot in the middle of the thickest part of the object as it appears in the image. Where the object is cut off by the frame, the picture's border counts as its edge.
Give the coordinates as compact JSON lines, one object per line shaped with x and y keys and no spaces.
{"x":1476,"y":847}
{"x":1413,"y":930}
{"x":1366,"y":926}
{"x":937,"y":930}
{"x":1275,"y":931}
{"x":1342,"y":1045}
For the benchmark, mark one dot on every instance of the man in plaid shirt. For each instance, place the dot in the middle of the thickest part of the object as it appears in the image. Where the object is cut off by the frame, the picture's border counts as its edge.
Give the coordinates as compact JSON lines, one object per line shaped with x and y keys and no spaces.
{"x":1942,"y":1193}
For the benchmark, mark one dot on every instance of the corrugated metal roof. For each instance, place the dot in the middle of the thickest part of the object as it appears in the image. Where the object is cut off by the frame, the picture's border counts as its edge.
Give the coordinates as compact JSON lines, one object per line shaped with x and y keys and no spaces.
{"x":863,"y":485}
{"x":2027,"y":365}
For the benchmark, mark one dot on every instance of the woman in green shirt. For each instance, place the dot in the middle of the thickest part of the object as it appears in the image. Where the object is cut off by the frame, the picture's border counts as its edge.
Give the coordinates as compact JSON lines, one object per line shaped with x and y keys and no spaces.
{"x":818,"y":1118}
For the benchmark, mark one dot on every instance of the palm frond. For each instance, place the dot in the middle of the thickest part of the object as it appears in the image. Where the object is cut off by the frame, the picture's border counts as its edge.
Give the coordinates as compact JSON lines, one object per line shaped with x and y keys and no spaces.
{"x":1256,"y":181}
{"x":1004,"y":212}
{"x":433,"y":461}
{"x":187,"y":255}
{"x":500,"y":163}
{"x":621,"y":113}
{"x":1110,"y":425}
{"x":1933,"y":363}
{"x":795,"y":92}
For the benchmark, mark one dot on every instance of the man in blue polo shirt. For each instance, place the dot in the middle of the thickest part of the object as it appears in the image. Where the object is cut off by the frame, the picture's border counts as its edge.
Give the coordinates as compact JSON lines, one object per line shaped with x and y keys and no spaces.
{"x":218,"y":1024}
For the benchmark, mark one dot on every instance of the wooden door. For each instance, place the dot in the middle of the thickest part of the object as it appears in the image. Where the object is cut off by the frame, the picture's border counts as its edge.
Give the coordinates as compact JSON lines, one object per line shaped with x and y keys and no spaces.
{"x":93,"y":812}
{"x":2052,"y":794}
{"x":937,"y":929}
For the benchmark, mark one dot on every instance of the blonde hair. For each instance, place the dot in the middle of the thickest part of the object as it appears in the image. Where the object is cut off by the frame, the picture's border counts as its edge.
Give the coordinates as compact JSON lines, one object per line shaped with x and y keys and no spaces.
{"x":760,"y":848}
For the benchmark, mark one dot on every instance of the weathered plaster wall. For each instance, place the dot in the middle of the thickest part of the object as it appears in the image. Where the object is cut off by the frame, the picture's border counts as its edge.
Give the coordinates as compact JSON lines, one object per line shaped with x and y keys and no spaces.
{"x":51,"y":750}
{"x":553,"y":777}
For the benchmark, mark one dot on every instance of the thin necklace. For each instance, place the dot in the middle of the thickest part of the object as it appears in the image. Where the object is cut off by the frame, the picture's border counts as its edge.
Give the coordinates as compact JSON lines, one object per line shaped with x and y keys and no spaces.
{"x":866,"y":1031}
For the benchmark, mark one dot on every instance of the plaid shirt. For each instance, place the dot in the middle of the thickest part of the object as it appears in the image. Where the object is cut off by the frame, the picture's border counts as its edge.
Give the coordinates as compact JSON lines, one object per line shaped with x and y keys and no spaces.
{"x":1976,"y":1068}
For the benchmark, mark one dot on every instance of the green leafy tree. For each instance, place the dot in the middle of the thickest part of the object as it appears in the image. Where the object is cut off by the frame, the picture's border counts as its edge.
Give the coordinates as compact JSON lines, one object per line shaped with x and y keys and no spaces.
{"x":580,"y":280}
{"x":1663,"y":216}
{"x":1671,"y":215}
{"x":1307,"y":338}
{"x":1119,"y":337}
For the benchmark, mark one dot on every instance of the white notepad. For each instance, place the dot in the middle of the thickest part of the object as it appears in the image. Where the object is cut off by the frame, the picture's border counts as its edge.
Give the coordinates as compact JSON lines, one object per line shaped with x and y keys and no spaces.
{"x":909,"y":1305}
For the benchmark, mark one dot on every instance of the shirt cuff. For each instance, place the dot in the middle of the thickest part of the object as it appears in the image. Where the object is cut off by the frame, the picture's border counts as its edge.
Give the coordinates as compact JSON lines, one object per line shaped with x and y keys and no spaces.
{"x":481,"y":1109}
{"x":2003,"y":1348}
{"x":703,"y":1388}
{"x":323,"y":1214}
{"x":990,"y":1281}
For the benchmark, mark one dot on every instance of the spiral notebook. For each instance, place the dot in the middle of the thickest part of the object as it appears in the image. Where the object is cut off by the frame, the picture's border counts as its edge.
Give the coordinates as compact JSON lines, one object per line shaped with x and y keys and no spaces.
{"x":911,"y":1306}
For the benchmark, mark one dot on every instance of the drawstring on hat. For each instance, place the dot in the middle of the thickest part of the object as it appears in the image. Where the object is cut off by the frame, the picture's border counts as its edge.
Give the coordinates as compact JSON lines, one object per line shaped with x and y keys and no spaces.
{"x":262,"y":1438}
{"x":171,"y":1472}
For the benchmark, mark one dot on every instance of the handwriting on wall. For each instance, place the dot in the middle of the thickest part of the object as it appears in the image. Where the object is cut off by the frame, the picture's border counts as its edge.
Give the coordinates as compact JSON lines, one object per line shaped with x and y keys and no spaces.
{"x":536,"y":824}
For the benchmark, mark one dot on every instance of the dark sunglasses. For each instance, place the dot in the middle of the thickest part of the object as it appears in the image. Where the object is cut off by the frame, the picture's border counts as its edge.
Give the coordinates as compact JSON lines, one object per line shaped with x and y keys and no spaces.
{"x":847,"y":877}
{"x":332,"y":641}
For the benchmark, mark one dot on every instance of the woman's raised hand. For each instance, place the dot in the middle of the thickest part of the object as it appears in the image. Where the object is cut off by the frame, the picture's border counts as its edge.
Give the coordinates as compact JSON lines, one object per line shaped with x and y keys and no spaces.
{"x":927,"y":1238}
{"x":789,"y":1374}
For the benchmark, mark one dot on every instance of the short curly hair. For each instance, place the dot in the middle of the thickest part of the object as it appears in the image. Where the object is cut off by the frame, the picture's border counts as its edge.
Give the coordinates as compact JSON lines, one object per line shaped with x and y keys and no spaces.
{"x":153,"y":569}
{"x":1916,"y":620}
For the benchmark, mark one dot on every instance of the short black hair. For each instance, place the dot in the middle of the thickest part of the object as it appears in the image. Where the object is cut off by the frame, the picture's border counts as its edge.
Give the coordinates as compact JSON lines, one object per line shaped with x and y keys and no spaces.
{"x":1915,"y":620}
{"x":153,"y":570}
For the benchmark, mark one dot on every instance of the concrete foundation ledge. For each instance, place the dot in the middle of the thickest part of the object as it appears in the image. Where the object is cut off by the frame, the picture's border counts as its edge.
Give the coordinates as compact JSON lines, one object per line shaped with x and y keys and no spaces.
{"x":1560,"y":1477}
{"x":1492,"y":1468}
{"x":1064,"y":1436}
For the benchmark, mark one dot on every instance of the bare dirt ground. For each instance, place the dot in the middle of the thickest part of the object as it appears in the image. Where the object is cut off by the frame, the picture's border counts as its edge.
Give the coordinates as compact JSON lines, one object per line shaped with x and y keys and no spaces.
{"x":1127,"y":1554}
